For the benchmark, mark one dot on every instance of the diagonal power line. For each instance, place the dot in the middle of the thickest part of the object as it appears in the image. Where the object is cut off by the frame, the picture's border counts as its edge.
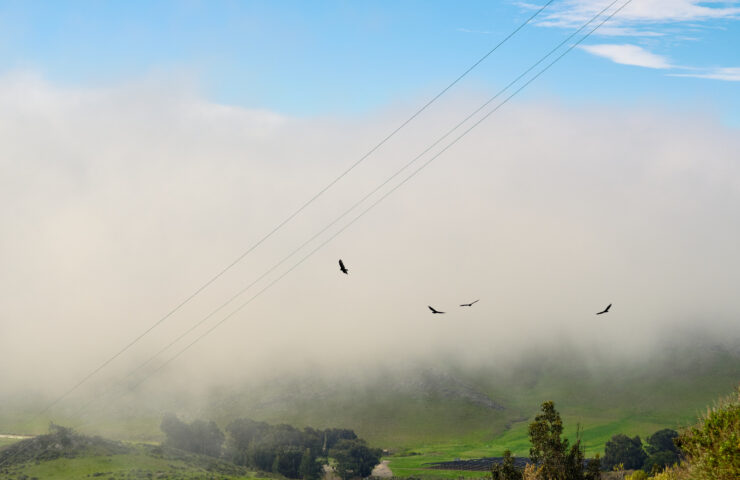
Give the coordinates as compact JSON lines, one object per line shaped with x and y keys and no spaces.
{"x":369,"y":194}
{"x":362,"y":200}
{"x":397,"y":186}
{"x":291,"y":216}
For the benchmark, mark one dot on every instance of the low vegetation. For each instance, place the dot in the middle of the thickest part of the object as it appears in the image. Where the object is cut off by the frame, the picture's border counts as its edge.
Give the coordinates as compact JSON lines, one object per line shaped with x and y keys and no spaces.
{"x":280,"y":449}
{"x":252,"y":449}
{"x":66,"y":455}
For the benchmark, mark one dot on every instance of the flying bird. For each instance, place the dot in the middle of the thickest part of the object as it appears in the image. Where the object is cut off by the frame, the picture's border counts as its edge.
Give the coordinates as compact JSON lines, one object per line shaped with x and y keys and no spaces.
{"x":605,"y":310}
{"x":469,"y":304}
{"x":342,"y":267}
{"x":433,"y":310}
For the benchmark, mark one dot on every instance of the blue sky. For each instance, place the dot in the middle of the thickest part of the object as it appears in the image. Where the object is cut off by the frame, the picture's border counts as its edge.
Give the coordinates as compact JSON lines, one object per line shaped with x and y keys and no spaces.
{"x":344,"y":57}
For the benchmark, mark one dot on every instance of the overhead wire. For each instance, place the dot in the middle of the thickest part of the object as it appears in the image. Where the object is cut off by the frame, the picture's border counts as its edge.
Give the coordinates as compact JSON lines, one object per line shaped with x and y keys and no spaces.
{"x":363,"y":199}
{"x":291,"y":216}
{"x":369,"y":194}
{"x":396,"y":187}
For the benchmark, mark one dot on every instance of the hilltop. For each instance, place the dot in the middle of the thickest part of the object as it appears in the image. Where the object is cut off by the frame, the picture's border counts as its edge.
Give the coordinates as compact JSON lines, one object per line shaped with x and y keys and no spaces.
{"x":65,"y":454}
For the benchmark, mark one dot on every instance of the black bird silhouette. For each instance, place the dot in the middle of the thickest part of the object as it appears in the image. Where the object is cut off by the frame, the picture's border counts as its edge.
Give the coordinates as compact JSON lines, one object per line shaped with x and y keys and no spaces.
{"x":342,"y":267}
{"x":469,"y":304}
{"x":605,"y":310}
{"x":433,"y":310}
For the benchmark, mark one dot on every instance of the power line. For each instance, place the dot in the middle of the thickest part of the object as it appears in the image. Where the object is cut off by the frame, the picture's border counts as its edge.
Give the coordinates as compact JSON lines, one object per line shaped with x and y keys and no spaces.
{"x":369,"y":194}
{"x":365,"y":197}
{"x":404,"y":181}
{"x":291,"y":216}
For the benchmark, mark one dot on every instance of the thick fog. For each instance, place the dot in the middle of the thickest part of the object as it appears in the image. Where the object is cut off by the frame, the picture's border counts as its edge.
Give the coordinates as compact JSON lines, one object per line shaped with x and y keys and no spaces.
{"x":117,"y":204}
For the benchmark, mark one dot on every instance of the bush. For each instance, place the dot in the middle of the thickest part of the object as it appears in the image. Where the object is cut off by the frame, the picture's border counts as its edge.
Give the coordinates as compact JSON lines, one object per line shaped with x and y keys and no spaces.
{"x":637,"y":475}
{"x":624,"y":450}
{"x":712,"y":446}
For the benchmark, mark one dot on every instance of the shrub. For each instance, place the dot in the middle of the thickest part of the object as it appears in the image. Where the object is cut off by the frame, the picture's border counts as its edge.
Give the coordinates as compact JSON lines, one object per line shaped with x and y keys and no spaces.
{"x":712,"y":446}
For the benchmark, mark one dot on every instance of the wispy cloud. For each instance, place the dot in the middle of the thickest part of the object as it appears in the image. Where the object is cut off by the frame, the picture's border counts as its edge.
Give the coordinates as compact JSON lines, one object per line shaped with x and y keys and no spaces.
{"x":644,"y":12}
{"x":627,"y":54}
{"x":729,"y":74}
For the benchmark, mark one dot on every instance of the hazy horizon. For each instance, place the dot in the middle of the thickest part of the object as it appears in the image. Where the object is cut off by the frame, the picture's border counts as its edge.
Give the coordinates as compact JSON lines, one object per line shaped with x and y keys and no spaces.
{"x":128,"y":199}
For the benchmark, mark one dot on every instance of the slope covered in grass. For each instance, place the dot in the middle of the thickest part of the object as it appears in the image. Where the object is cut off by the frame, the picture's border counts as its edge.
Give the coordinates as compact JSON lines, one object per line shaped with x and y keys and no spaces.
{"x":64,"y":454}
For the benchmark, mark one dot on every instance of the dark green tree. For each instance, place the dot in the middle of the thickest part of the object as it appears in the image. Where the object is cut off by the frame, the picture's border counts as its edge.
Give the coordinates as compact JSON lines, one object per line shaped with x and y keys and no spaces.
{"x":593,"y":469}
{"x":659,"y":460}
{"x":662,"y":441}
{"x":288,"y":462}
{"x":354,"y":458}
{"x":625,"y":450}
{"x":574,"y":460}
{"x":506,"y":470}
{"x":310,"y":469}
{"x":662,"y":451}
{"x":334,"y":435}
{"x":548,"y":450}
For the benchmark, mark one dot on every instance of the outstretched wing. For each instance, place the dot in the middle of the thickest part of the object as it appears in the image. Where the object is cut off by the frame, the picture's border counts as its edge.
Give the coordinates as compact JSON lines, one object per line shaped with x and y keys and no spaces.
{"x":605,"y":310}
{"x":468,"y":304}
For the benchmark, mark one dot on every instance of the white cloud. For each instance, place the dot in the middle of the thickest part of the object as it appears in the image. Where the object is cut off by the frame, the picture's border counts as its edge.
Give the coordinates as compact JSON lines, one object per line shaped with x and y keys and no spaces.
{"x":628,"y":55}
{"x":730,"y":74}
{"x":634,"y":55}
{"x":642,"y":12}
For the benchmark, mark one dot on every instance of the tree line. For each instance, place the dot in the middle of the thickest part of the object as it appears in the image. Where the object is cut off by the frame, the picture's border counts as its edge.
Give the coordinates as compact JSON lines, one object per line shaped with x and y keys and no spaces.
{"x":710,"y":450}
{"x":554,"y":458}
{"x":283,"y":449}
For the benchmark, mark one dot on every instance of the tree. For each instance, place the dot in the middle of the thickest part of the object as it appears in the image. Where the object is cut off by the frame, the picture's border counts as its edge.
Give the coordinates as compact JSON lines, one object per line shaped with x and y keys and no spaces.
{"x":309,"y":469}
{"x":176,"y":432}
{"x":662,"y":450}
{"x":593,"y":469}
{"x":207,"y":439}
{"x":625,"y":450}
{"x":334,"y":435}
{"x":354,"y":458}
{"x":548,"y":450}
{"x":506,"y":470}
{"x":662,"y":441}
{"x":574,"y":461}
{"x":200,"y":436}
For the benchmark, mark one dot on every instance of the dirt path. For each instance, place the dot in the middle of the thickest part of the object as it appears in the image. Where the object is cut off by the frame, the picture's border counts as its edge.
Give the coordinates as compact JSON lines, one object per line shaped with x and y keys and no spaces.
{"x":18,"y":437}
{"x":382,"y":470}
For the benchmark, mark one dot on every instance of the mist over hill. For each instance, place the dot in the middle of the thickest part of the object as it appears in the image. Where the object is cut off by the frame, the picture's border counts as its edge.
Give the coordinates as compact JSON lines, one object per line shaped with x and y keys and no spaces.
{"x":394,"y":405}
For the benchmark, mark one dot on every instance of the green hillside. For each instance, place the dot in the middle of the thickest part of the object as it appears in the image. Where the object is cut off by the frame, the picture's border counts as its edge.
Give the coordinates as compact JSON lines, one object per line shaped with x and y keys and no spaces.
{"x":66,"y":455}
{"x":429,"y":413}
{"x":492,"y":405}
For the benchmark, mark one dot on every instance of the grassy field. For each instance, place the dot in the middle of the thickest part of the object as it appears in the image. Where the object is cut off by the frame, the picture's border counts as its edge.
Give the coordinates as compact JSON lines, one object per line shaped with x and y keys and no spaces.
{"x":142,"y":463}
